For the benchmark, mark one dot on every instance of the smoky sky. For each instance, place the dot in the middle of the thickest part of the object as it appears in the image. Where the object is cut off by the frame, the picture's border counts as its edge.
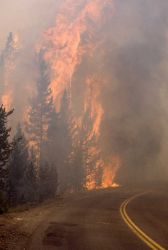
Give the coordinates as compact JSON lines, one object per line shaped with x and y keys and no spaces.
{"x":135,"y":121}
{"x":27,"y":18}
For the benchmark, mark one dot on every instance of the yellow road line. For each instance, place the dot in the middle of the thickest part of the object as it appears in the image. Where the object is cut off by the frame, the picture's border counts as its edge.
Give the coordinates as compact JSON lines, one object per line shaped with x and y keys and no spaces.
{"x":144,"y":237}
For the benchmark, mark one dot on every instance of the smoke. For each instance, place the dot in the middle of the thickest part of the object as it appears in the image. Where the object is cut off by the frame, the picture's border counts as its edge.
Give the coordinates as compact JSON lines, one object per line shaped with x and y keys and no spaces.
{"x":27,"y":20}
{"x":128,"y":59}
{"x":135,"y":120}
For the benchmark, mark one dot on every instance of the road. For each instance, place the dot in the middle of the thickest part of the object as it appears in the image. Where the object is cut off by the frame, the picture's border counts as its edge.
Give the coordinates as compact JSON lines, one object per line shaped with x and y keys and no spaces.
{"x":92,"y":221}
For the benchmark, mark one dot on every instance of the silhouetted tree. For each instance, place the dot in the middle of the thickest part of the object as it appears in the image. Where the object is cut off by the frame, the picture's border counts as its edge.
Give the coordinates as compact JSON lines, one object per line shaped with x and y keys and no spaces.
{"x":5,"y":150}
{"x":7,"y":59}
{"x":18,"y":165}
{"x":63,"y":143}
{"x":83,"y":159}
{"x":47,"y":181}
{"x":40,"y":111}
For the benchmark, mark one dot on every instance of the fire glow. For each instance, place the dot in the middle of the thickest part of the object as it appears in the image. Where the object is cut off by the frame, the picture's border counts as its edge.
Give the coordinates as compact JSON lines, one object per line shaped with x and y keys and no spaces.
{"x":64,"y":46}
{"x":64,"y":51}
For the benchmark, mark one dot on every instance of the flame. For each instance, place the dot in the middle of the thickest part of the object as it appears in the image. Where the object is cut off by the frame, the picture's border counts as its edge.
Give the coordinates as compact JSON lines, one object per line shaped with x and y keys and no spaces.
{"x":64,"y":46}
{"x":63,"y":43}
{"x":92,"y":100}
{"x":110,"y":172}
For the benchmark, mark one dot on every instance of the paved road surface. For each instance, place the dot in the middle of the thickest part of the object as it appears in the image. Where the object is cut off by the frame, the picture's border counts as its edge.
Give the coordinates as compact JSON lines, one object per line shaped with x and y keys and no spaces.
{"x":92,"y":221}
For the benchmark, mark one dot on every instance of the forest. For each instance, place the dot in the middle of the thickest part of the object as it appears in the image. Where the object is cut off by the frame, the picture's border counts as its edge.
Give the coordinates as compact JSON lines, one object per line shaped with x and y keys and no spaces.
{"x":43,"y":146}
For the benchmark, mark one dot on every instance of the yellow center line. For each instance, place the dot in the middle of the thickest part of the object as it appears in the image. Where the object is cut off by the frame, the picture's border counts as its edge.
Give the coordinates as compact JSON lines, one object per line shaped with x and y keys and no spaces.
{"x":144,"y":237}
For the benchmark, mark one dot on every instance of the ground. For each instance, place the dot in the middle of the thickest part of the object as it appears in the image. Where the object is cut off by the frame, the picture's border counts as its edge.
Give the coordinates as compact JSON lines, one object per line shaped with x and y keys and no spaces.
{"x":87,"y":221}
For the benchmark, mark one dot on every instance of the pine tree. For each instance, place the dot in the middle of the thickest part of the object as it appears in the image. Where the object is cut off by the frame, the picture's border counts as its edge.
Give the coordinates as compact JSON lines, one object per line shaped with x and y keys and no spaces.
{"x":53,"y":146}
{"x":18,"y":165}
{"x":5,"y":150}
{"x":40,"y":112}
{"x":64,"y":143}
{"x":47,"y":181}
{"x":30,"y":183}
{"x":7,"y":59}
{"x":83,"y":160}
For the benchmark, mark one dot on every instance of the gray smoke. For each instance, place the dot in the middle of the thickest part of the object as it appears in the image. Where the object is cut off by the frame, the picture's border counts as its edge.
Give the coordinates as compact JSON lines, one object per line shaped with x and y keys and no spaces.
{"x":135,"y":122}
{"x":28,"y":20}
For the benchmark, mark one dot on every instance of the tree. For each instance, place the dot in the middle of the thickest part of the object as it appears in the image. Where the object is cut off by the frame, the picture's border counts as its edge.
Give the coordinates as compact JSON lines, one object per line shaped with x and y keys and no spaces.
{"x":18,"y":165}
{"x":40,"y":111}
{"x":47,"y":181}
{"x":31,"y":185}
{"x":84,"y":157}
{"x":7,"y":64}
{"x":80,"y":136}
{"x":61,"y":143}
{"x":5,"y":150}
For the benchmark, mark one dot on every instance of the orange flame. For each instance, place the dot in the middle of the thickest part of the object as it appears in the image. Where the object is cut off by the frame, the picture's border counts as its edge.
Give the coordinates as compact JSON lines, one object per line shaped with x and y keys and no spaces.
{"x":64,"y":47}
{"x":63,"y":43}
{"x":110,"y":172}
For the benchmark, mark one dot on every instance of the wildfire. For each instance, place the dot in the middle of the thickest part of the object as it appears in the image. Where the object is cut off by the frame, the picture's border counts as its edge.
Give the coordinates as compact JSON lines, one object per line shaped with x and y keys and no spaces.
{"x":110,"y":172}
{"x":65,"y":45}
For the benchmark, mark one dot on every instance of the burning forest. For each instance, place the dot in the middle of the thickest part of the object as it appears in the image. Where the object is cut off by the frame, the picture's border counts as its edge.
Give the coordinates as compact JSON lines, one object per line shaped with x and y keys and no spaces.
{"x":87,"y":82}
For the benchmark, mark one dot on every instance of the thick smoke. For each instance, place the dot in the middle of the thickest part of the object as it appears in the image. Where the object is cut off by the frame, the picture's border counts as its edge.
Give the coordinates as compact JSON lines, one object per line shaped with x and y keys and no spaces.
{"x":136,"y":114}
{"x":27,"y":20}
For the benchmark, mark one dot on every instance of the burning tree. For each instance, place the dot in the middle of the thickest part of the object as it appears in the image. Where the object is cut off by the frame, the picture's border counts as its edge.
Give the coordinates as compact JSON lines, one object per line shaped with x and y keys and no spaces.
{"x":69,"y":45}
{"x":60,"y":142}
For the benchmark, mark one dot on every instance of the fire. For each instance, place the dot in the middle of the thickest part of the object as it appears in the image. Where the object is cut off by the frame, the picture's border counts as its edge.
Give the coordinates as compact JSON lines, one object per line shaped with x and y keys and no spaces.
{"x":92,"y":100}
{"x":64,"y":46}
{"x":110,"y":172}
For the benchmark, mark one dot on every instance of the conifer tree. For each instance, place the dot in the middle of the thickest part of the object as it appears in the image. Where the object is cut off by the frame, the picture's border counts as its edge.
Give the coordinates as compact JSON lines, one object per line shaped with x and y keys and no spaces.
{"x":40,"y":111}
{"x":47,"y":181}
{"x":83,"y":160}
{"x":5,"y":150}
{"x":64,"y":143}
{"x":18,"y":165}
{"x":30,"y":183}
{"x":7,"y":59}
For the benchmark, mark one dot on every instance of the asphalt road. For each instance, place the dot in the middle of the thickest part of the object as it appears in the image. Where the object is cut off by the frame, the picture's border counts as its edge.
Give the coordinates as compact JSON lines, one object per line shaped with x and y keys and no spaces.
{"x":92,"y":221}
